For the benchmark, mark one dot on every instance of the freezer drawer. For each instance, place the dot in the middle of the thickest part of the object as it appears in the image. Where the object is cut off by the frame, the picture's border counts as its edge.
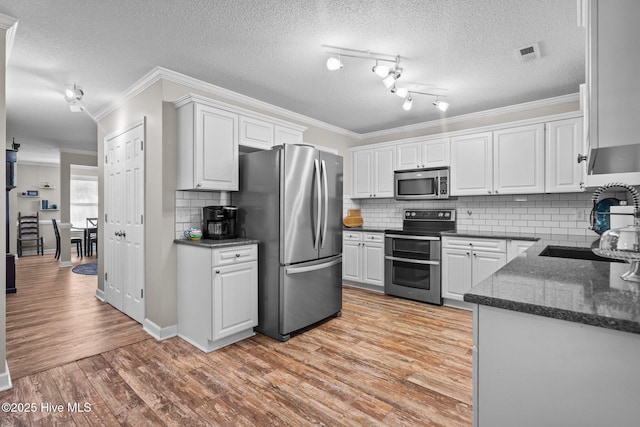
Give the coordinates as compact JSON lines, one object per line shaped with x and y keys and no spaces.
{"x":311,"y":292}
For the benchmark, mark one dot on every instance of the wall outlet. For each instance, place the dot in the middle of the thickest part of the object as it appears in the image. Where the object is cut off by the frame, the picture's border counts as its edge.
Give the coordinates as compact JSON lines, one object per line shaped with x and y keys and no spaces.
{"x":579,"y":214}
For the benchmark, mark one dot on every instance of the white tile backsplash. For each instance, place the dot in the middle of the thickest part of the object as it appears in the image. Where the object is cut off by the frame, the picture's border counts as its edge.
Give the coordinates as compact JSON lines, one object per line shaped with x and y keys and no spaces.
{"x":532,"y":213}
{"x":189,"y":206}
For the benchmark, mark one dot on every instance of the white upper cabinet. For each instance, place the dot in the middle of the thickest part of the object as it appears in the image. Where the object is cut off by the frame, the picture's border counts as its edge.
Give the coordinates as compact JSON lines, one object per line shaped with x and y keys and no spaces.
{"x":564,"y":143}
{"x":518,"y":160}
{"x":256,"y":133}
{"x":285,"y":135}
{"x":471,"y":164}
{"x":262,"y":134}
{"x":372,"y":173}
{"x":612,"y":91}
{"x":208,"y":147}
{"x":506,"y":161}
{"x":422,"y":154}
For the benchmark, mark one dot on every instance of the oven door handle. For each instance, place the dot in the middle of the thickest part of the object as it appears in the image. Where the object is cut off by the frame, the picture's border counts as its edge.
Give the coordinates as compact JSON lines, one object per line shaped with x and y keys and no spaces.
{"x":412,"y":261}
{"x":400,"y":236}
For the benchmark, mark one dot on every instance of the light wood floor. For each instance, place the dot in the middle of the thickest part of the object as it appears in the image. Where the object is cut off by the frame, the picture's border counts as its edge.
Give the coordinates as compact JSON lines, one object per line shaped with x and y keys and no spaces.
{"x":386,"y":361}
{"x":55,"y":317}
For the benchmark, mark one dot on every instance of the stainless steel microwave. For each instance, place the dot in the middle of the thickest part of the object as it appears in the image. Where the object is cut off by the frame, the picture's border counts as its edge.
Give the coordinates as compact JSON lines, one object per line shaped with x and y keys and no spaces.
{"x":421,"y":184}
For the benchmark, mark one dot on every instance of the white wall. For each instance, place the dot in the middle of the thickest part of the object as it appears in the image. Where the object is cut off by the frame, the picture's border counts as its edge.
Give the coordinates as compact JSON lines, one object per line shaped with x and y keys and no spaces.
{"x":30,"y":177}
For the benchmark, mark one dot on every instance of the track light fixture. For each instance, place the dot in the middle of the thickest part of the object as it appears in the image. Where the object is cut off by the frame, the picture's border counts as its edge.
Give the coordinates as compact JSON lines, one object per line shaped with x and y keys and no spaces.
{"x":73,"y":95}
{"x":381,"y":69}
{"x":441,"y":105}
{"x":334,"y":63}
{"x":390,"y":71}
{"x":408,"y":102}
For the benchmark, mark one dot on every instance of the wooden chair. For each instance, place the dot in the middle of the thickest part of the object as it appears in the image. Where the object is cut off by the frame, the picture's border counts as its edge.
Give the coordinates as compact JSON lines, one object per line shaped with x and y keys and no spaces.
{"x":76,"y":240}
{"x":92,"y":238}
{"x":29,"y":231}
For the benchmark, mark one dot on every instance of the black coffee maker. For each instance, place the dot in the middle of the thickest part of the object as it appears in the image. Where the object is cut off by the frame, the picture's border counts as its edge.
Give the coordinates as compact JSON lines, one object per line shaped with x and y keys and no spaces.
{"x":219,"y":222}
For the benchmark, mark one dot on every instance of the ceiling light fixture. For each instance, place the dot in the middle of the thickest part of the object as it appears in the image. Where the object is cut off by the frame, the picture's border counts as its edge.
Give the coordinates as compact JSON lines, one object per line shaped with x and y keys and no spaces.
{"x":408,"y":103}
{"x":389,"y":73}
{"x":381,"y":69}
{"x":73,"y":95}
{"x":334,"y":63}
{"x":441,"y":105}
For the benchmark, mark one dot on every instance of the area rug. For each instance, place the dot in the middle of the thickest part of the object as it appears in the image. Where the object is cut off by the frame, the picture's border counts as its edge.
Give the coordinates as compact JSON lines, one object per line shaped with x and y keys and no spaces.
{"x":90,"y":268}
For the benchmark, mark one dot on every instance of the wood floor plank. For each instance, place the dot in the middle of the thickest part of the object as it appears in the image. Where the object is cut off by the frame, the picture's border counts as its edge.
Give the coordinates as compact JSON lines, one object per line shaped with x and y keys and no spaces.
{"x":386,"y":361}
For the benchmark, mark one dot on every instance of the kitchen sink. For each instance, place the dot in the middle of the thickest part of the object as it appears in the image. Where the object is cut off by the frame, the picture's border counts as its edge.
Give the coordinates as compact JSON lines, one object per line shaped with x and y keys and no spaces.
{"x":574,"y":253}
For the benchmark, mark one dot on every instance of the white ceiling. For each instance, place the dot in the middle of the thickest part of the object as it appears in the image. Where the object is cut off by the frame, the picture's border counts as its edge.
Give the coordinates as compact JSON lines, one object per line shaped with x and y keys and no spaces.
{"x":271,"y":50}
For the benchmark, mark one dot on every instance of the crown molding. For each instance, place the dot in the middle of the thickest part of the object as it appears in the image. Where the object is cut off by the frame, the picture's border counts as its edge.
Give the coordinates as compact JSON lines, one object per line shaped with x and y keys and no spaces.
{"x":78,"y":151}
{"x":161,"y":73}
{"x":10,"y":25}
{"x":548,"y":102}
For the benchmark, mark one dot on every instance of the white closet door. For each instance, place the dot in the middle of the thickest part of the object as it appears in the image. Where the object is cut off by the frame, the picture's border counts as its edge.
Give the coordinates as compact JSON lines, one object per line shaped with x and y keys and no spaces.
{"x":124,"y":227}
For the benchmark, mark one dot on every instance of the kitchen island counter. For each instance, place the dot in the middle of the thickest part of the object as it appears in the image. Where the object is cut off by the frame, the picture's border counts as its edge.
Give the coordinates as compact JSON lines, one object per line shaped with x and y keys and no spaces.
{"x":556,"y":341}
{"x":576,"y":290}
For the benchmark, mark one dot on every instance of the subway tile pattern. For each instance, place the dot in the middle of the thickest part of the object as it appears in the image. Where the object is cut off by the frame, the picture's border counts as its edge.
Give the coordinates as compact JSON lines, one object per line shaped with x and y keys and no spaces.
{"x":189,"y":206}
{"x":563,"y":213}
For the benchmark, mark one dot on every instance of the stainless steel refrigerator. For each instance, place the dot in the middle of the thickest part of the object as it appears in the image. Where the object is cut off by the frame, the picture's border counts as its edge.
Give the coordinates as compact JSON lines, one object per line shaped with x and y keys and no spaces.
{"x":290,"y":199}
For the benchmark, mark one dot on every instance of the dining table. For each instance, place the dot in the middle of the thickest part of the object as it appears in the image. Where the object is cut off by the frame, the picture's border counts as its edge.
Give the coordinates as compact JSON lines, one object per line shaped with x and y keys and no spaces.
{"x":86,"y":235}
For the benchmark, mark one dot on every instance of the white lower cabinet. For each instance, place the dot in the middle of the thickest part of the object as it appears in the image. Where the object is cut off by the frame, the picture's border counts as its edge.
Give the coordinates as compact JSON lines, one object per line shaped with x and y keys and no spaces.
{"x":466,"y":262}
{"x":217,"y":294}
{"x":363,"y":259}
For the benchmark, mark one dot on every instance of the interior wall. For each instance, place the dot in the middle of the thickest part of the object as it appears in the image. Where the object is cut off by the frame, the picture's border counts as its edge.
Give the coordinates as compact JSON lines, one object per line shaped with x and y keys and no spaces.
{"x":5,"y":380}
{"x":160,"y":184}
{"x":33,"y":177}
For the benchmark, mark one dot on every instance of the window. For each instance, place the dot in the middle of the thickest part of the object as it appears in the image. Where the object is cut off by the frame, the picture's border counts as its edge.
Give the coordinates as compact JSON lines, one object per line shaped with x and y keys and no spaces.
{"x":84,"y":199}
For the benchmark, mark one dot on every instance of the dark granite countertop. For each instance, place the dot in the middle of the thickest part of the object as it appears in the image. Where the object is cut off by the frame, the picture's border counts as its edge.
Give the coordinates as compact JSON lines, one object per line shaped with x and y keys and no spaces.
{"x":588,"y":292}
{"x":211,"y":243}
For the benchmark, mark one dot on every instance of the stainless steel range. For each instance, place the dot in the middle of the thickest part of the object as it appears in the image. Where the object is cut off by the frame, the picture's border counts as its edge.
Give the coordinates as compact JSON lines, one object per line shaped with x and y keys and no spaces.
{"x":412,"y":255}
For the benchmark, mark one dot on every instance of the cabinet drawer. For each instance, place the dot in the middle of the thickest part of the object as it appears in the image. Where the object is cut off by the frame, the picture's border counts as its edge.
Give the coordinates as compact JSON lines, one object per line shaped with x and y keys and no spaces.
{"x":492,"y":245}
{"x":234,"y":255}
{"x":374,"y":237}
{"x":352,"y":236}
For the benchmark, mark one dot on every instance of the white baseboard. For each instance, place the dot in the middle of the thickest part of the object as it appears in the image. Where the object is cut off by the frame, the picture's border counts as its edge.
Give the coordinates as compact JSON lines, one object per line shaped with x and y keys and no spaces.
{"x":65,"y":264}
{"x":158,"y":332}
{"x":5,"y":378}
{"x":100,"y":295}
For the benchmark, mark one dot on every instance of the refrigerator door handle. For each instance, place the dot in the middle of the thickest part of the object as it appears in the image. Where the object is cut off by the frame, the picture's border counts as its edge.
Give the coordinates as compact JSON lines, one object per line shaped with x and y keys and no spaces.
{"x":297,"y":270}
{"x":316,"y":238}
{"x":325,"y":190}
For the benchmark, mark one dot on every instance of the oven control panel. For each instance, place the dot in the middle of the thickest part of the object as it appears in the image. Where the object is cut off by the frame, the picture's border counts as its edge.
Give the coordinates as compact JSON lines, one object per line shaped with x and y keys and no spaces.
{"x":430,"y":214}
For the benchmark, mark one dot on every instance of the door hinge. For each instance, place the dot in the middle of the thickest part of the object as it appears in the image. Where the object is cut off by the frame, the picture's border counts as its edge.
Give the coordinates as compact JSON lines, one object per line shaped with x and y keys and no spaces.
{"x":105,"y":217}
{"x":105,"y":160}
{"x":105,"y":276}
{"x":141,"y":293}
{"x":141,"y":145}
{"x":141,"y":219}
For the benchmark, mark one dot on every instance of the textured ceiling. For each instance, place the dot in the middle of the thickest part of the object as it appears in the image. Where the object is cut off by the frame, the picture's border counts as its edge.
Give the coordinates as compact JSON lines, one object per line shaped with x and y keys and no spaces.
{"x":271,"y":50}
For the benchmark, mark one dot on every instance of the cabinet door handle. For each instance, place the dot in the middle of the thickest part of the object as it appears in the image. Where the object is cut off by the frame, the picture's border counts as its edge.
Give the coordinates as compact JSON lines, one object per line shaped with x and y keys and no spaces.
{"x":468,"y":254}
{"x":237,"y":255}
{"x":581,"y":158}
{"x":217,"y":271}
{"x":489,"y":191}
{"x":198,"y":185}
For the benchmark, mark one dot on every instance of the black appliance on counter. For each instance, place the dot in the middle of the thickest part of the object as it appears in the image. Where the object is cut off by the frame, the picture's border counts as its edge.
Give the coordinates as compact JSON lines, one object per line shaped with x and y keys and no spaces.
{"x":219,"y":222}
{"x":412,"y":255}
